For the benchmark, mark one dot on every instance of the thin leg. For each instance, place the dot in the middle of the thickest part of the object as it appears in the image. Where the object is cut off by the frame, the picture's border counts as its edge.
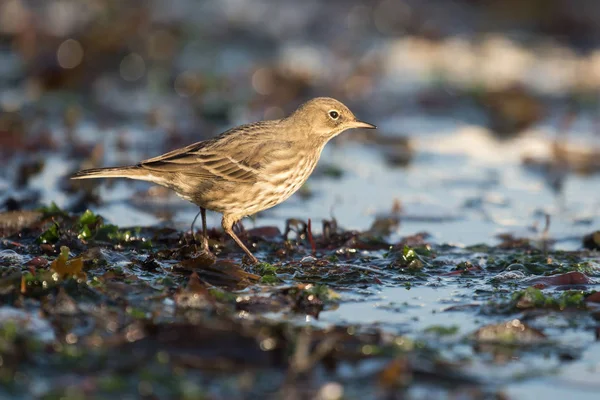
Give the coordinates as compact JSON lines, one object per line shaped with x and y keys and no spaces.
{"x":227,"y":224}
{"x":204,"y":231}
{"x":192,"y":227}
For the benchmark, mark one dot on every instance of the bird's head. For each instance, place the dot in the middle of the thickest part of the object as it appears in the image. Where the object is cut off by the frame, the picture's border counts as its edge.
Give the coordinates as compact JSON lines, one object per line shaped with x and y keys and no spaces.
{"x":326,"y":118}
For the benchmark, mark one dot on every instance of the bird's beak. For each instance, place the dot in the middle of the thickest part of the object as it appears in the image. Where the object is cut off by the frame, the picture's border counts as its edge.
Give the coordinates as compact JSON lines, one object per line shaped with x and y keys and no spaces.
{"x":361,"y":124}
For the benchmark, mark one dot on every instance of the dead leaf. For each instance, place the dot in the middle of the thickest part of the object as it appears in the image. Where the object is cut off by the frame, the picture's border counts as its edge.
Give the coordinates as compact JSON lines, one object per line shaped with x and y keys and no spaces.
{"x":222,"y":273}
{"x":198,"y":260}
{"x":569,"y":278}
{"x":396,"y":373}
{"x":194,"y":295}
{"x":68,"y":268}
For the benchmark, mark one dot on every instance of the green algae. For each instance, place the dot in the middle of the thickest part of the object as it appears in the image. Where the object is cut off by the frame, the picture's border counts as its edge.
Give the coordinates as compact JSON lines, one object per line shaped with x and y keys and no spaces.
{"x":535,"y":298}
{"x":441,"y":330}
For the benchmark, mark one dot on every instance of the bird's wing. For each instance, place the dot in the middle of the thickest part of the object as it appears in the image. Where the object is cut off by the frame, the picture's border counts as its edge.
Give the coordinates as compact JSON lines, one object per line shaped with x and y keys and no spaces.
{"x":232,"y":156}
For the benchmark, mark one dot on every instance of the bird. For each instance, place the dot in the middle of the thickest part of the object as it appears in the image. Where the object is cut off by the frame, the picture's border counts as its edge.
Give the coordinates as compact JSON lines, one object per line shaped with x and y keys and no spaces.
{"x":246,"y":169}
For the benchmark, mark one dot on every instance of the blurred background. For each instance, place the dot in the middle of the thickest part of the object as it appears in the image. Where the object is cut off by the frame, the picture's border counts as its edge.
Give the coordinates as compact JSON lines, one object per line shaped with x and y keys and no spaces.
{"x":487,"y":109}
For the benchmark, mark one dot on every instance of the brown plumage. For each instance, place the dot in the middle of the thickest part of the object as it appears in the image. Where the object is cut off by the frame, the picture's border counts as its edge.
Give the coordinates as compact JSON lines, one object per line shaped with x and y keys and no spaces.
{"x":245,"y":169}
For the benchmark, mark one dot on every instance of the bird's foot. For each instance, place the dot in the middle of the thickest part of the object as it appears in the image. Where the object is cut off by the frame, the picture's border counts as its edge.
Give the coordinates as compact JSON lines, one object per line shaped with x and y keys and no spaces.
{"x":200,"y":244}
{"x":203,"y":250}
{"x":204,"y":244}
{"x":250,"y":259}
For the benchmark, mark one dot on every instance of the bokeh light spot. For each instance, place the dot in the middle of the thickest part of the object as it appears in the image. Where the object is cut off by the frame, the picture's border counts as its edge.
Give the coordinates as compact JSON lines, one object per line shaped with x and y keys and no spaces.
{"x":132,"y":67}
{"x":274,"y":113}
{"x":69,"y":54}
{"x":187,"y":84}
{"x":262,"y":81}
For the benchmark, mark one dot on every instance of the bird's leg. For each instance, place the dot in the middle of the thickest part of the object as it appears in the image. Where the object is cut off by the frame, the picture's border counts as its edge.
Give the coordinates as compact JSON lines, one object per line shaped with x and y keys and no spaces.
{"x":192,"y":227}
{"x":204,"y":230}
{"x":204,"y":233}
{"x":227,"y":224}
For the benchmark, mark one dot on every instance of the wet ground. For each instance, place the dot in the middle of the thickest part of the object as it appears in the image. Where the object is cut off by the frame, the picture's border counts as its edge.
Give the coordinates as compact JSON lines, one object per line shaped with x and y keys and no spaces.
{"x":451,"y":253}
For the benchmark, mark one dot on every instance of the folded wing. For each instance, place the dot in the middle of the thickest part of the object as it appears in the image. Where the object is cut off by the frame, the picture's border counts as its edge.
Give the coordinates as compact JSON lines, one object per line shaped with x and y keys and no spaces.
{"x":233,"y":156}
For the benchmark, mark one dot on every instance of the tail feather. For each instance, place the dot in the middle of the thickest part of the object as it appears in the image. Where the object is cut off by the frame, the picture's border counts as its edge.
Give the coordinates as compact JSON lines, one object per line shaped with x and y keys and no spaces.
{"x":131,"y":172}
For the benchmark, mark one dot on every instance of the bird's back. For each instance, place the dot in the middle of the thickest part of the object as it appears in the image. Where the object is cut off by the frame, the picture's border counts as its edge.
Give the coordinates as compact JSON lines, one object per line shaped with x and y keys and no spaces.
{"x":251,"y":167}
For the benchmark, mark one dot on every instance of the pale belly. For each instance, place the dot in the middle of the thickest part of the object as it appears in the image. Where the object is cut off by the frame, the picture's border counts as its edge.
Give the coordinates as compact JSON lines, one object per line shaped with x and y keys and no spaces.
{"x":244,"y":200}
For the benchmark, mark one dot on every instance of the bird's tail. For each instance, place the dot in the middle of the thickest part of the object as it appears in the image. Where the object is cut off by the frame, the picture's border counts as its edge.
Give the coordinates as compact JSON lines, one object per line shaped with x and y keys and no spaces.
{"x":131,"y":172}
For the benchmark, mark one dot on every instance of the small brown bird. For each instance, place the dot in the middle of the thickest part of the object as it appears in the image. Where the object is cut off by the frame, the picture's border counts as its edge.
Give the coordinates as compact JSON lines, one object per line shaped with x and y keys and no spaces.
{"x":245,"y":169}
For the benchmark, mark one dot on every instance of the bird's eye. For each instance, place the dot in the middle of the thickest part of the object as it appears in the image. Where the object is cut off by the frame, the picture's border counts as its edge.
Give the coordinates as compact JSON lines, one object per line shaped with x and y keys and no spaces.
{"x":334,"y":114}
